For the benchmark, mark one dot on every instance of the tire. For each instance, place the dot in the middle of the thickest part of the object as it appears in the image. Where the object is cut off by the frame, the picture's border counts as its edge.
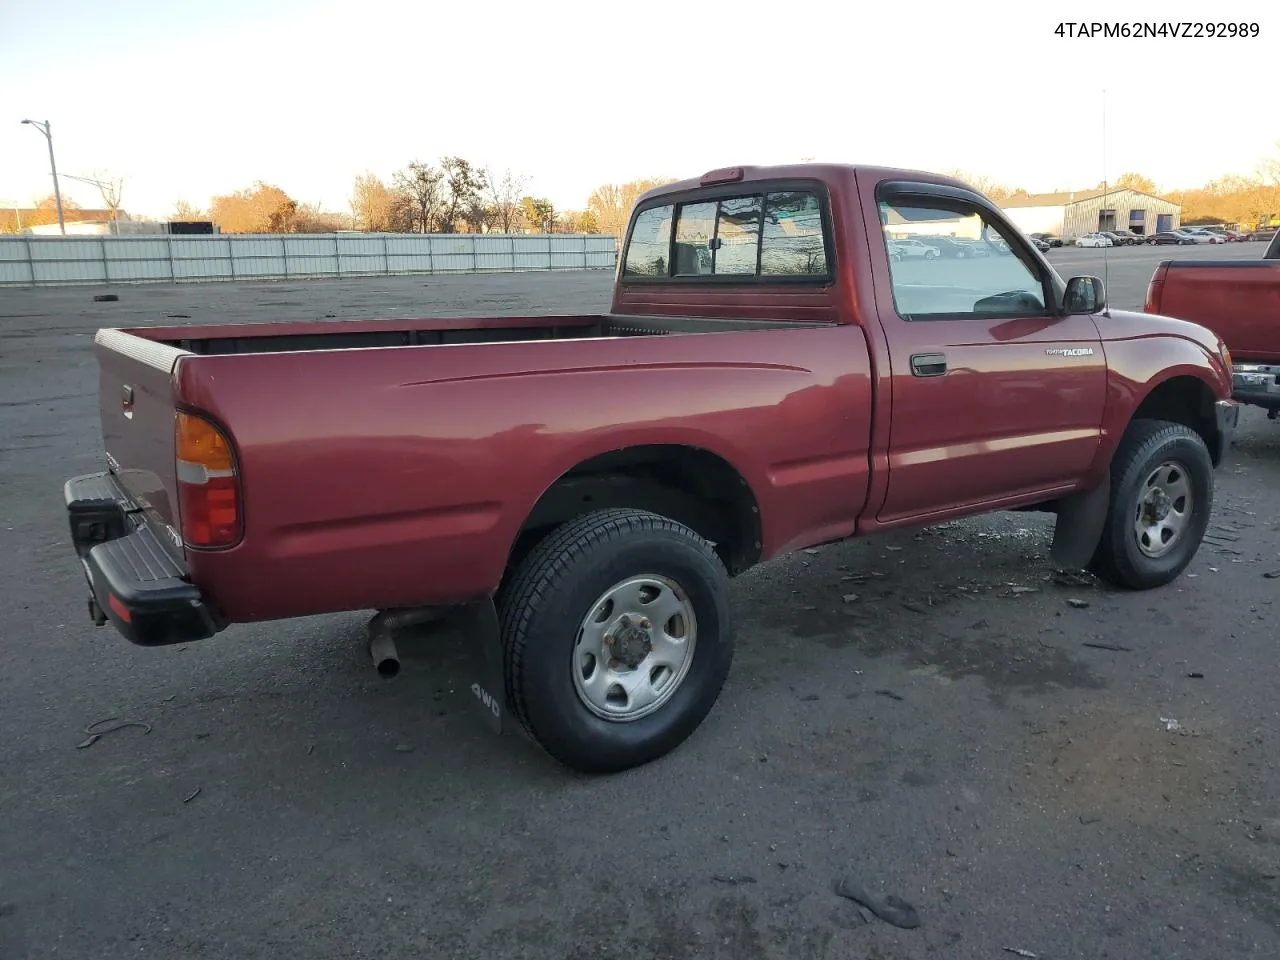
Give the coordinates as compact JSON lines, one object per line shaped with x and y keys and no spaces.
{"x":543,"y":611}
{"x":1179,"y":456}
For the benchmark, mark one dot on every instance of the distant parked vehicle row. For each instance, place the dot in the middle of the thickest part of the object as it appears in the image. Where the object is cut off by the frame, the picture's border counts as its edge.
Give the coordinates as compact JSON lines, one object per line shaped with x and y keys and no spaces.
{"x":931,"y":247}
{"x":1182,"y":236}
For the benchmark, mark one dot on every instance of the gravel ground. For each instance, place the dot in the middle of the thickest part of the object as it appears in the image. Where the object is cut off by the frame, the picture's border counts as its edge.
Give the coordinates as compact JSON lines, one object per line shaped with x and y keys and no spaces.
{"x":938,"y":715}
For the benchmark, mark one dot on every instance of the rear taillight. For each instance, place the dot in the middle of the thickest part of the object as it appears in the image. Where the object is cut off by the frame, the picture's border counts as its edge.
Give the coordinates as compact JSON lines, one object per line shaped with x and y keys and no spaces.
{"x":208,"y":487}
{"x":1152,"y":303}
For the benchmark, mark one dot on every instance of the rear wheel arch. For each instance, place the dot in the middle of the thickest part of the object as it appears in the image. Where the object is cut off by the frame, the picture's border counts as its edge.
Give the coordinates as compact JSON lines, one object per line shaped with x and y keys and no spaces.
{"x":691,"y":485}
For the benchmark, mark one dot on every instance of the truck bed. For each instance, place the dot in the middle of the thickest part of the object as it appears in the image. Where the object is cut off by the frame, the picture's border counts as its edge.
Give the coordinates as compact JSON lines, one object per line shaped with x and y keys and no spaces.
{"x":1239,"y":300}
{"x":379,"y":469}
{"x":212,"y":340}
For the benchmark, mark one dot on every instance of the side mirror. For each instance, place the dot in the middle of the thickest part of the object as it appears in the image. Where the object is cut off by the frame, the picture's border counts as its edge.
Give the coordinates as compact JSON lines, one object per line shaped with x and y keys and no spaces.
{"x":1084,"y":295}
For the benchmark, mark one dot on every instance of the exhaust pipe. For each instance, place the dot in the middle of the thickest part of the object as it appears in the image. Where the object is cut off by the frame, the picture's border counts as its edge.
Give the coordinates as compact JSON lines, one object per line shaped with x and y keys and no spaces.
{"x":382,"y":649}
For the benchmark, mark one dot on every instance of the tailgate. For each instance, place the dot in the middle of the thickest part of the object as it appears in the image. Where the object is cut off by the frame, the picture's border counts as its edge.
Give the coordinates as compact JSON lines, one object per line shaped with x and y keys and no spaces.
{"x":136,"y":407}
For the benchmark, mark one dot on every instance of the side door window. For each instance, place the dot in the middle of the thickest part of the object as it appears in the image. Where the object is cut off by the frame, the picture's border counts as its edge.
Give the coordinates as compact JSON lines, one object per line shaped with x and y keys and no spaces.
{"x":970,"y":269}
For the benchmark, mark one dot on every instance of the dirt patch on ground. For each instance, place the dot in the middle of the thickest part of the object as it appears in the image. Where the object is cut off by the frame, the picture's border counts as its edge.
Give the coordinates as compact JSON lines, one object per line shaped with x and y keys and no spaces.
{"x":1111,"y":761}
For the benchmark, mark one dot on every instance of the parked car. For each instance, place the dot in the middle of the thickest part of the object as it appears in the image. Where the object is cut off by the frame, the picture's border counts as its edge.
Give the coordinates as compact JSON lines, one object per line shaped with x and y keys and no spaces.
{"x":1203,"y":236}
{"x":914,"y":248}
{"x":953,"y":247}
{"x":1236,"y":236}
{"x":1094,"y":240}
{"x":1165,"y":237}
{"x":1048,"y":238}
{"x":1042,"y":245}
{"x":1239,"y":300}
{"x":1125,"y":238}
{"x":578,"y":490}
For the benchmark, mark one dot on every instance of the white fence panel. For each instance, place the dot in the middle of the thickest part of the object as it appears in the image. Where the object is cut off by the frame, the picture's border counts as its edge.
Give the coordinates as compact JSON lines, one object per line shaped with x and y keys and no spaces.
{"x":13,"y":248}
{"x":15,"y":261}
{"x":134,"y":259}
{"x":532,"y":253}
{"x":143,"y":259}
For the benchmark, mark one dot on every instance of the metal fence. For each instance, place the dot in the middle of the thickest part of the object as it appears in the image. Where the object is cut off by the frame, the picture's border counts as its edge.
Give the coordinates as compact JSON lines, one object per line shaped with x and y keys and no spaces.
{"x":30,"y":260}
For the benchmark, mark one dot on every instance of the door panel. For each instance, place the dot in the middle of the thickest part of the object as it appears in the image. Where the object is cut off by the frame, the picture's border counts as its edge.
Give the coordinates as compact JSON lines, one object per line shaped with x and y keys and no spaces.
{"x":994,"y":396}
{"x":1018,"y":408}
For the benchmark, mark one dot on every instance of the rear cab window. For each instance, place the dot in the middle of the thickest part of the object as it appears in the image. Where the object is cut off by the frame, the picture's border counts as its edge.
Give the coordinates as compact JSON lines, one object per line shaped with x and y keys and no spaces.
{"x":745,"y":235}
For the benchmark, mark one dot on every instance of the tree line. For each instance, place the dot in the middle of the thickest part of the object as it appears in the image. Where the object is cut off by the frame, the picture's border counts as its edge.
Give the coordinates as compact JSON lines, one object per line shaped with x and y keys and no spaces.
{"x":451,"y":196}
{"x":455,"y":195}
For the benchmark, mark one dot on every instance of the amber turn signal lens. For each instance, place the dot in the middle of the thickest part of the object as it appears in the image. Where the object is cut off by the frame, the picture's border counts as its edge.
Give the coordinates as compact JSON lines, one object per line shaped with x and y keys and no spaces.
{"x":200,"y":442}
{"x":208,"y":488}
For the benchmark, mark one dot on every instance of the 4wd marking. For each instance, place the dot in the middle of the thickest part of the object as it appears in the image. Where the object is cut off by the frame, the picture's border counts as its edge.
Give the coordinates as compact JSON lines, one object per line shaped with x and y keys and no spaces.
{"x":1070,"y":351}
{"x":486,"y":698}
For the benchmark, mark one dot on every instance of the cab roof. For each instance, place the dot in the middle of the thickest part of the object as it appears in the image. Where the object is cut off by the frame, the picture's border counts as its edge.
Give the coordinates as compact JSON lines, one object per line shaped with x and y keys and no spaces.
{"x":829,"y":173}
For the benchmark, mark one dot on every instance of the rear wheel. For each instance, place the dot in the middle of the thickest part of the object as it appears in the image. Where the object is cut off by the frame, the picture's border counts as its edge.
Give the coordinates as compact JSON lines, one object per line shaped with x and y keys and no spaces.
{"x":618,"y":639}
{"x":1161,"y":498}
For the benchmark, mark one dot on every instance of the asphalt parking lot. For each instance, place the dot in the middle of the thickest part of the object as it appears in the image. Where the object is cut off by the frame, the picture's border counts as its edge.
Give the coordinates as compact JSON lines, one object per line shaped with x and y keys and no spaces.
{"x":958,"y":734}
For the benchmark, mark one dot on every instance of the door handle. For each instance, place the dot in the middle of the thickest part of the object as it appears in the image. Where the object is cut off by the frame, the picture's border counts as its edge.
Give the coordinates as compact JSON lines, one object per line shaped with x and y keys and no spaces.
{"x":928,"y":364}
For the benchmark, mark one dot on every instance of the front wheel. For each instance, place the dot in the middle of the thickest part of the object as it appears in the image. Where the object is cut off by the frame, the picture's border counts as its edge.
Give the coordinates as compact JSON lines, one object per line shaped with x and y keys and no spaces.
{"x":618,"y":639}
{"x":1161,"y":498}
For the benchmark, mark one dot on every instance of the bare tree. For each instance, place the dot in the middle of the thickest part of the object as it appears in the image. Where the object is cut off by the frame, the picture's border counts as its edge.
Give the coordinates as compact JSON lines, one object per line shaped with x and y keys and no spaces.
{"x":112,"y":190}
{"x":422,"y":185}
{"x":110,"y":187}
{"x":503,"y":196}
{"x":1269,"y":168}
{"x":186,"y":211}
{"x":991,"y":189}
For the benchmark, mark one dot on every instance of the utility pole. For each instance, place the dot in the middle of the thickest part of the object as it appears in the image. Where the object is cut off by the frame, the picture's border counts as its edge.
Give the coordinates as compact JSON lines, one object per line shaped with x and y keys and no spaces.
{"x":112,"y":193}
{"x":53,"y":167}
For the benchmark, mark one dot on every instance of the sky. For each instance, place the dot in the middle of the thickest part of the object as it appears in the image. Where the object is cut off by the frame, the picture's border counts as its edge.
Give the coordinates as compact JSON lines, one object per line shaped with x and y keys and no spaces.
{"x":186,"y":100}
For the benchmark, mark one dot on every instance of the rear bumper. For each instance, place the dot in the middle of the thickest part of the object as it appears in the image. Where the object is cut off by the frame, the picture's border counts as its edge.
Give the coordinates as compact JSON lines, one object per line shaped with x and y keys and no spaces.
{"x":1257,"y":384}
{"x":134,"y":583}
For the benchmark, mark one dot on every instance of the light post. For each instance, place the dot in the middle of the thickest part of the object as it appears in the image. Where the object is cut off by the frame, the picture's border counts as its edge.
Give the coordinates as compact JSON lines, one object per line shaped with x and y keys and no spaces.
{"x":53,"y":166}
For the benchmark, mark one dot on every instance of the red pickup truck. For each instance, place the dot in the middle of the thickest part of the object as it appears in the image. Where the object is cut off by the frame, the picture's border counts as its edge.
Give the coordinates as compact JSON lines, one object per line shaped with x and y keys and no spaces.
{"x":1240,"y":301}
{"x":578,"y":490}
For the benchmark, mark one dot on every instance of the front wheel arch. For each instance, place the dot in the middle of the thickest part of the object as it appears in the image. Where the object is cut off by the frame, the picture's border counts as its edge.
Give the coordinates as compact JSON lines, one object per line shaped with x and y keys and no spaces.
{"x":1151,"y":448}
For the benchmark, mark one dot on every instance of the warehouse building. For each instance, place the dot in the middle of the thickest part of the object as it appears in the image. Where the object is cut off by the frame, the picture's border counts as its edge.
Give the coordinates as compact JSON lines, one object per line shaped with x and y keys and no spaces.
{"x":1073,"y":214}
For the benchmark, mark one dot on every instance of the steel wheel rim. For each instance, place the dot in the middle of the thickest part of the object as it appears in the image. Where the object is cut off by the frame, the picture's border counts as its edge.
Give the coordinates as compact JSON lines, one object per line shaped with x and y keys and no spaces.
{"x":634,"y":648}
{"x":1166,"y":503}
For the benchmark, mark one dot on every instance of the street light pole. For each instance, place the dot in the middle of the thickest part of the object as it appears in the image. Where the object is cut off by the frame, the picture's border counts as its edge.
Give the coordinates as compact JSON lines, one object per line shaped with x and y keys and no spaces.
{"x":53,"y":167}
